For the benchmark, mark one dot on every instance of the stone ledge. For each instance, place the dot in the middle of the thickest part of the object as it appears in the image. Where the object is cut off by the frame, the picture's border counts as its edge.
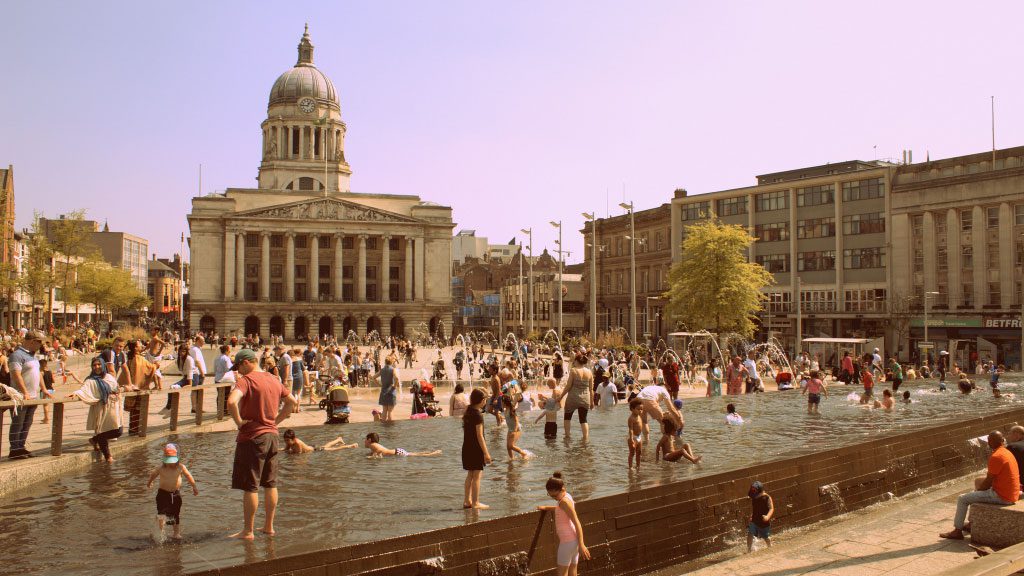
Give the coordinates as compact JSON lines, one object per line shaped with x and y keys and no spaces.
{"x":1002,"y":563}
{"x":997,"y":526}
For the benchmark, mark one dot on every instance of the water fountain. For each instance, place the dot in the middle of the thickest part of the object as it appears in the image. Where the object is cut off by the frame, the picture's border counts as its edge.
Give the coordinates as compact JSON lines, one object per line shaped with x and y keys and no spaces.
{"x":558,"y":340}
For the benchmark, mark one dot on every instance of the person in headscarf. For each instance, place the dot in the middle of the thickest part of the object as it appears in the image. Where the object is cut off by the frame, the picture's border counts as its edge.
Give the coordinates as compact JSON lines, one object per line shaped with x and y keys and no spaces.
{"x":100,"y":392}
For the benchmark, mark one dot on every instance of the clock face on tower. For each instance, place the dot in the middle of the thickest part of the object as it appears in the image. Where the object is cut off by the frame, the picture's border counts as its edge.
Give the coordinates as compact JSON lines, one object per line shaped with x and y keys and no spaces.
{"x":307,"y":105}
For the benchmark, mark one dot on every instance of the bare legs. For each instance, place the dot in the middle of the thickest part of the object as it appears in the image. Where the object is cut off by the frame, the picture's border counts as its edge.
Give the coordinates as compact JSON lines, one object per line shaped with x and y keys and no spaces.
{"x":250,"y":502}
{"x":472,"y":494}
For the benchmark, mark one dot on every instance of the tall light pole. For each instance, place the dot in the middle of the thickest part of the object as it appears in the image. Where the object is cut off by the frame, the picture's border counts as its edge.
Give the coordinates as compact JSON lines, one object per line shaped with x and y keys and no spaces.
{"x":593,"y":275}
{"x":926,"y":296}
{"x":559,"y":226}
{"x":529,"y":232}
{"x":632,"y":269}
{"x":521,"y":288}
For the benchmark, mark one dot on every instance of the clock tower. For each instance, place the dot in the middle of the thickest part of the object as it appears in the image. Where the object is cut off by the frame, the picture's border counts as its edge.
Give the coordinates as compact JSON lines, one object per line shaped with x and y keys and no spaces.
{"x":303,"y":135}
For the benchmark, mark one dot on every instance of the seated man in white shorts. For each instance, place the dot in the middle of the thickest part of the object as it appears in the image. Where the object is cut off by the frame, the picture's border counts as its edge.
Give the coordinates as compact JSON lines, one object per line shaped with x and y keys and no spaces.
{"x":652,"y":397}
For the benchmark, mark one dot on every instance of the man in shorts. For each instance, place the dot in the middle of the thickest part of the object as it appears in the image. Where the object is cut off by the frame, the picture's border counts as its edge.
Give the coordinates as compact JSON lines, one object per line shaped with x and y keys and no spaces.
{"x":253,"y":405}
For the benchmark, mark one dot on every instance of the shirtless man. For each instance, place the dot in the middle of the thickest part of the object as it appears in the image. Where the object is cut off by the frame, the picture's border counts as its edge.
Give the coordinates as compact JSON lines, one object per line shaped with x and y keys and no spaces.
{"x":653,"y":397}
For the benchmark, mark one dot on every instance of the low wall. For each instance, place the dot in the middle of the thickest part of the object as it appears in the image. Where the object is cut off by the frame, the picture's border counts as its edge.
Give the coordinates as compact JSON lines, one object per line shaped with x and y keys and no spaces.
{"x":643,"y":530}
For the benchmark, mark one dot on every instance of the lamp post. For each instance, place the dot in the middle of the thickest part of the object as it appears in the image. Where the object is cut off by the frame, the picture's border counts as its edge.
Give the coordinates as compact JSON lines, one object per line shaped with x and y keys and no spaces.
{"x":632,"y":269}
{"x":593,"y":275}
{"x":926,"y":295}
{"x":559,"y":226}
{"x":529,"y":232}
{"x":520,"y":298}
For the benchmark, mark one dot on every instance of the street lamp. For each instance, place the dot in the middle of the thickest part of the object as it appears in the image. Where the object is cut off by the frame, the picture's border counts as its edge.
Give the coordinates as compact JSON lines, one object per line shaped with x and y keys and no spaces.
{"x":593,"y":275}
{"x":926,"y":295}
{"x":559,"y":226}
{"x":529,"y":232}
{"x":632,"y":268}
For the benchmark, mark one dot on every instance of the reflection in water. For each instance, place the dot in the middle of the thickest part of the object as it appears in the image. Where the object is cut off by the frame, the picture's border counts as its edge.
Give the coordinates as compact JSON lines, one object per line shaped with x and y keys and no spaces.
{"x":102,"y":516}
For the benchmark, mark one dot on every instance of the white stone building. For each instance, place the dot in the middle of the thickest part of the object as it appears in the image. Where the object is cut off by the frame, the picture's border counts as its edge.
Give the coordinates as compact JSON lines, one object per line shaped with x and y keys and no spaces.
{"x":302,"y":255}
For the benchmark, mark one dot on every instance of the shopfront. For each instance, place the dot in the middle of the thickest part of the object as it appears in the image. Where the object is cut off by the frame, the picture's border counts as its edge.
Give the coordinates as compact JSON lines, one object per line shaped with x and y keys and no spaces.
{"x":970,"y":338}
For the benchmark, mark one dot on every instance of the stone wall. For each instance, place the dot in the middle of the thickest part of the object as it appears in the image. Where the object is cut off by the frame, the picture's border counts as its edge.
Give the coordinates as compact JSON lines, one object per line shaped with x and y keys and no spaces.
{"x":640,"y":531}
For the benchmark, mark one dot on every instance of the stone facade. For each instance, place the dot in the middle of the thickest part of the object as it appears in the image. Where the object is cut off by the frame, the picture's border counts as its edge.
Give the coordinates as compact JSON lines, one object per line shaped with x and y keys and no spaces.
{"x":301,"y":255}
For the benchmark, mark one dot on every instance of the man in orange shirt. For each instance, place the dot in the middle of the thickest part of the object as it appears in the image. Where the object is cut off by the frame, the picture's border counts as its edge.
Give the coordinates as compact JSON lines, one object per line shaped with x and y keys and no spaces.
{"x":1001,"y":486}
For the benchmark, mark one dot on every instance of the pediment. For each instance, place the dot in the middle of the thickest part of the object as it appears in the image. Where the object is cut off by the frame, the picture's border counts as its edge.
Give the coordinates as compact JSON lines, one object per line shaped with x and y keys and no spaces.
{"x":324,"y":209}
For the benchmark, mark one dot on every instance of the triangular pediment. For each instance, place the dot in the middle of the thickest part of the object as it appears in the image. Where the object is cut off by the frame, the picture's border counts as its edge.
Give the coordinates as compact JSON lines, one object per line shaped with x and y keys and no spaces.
{"x":324,"y":209}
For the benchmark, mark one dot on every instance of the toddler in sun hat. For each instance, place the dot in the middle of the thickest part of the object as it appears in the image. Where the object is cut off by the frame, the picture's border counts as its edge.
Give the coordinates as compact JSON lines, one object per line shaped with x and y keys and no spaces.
{"x":168,"y":497}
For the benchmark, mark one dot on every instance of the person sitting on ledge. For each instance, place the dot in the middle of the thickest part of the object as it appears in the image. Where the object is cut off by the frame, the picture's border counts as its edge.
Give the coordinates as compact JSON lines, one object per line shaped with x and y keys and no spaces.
{"x":1001,"y":486}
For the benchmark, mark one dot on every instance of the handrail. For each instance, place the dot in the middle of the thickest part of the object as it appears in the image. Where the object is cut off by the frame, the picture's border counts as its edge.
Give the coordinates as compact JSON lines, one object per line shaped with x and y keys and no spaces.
{"x":1003,"y":562}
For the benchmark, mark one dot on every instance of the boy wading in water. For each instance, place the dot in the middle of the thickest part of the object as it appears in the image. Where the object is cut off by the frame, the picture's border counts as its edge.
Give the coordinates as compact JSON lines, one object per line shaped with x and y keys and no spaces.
{"x":761,"y":511}
{"x":168,"y":499}
{"x":635,"y":428}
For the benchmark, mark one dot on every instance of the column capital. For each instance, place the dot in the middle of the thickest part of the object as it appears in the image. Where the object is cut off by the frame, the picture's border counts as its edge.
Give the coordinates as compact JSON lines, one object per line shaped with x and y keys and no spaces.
{"x":363,"y":237}
{"x":386,"y":236}
{"x":339,"y":235}
{"x":289,"y":234}
{"x":264,"y":233}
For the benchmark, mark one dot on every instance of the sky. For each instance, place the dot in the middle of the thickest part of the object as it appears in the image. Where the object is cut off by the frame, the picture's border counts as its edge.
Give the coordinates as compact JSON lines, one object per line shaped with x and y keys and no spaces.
{"x":513,"y":113}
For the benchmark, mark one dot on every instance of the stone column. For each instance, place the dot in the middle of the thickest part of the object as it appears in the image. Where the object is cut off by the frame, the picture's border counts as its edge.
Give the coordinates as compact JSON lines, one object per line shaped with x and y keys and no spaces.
{"x":339,"y":260}
{"x":264,"y":266}
{"x":385,"y":269}
{"x":229,"y":265}
{"x":240,"y":267}
{"x":314,"y":267}
{"x":360,"y":271}
{"x":407,"y":297}
{"x":302,"y":142}
{"x":980,"y":257}
{"x":955,"y":283}
{"x":289,"y":266}
{"x":928,"y":239}
{"x":420,"y":263}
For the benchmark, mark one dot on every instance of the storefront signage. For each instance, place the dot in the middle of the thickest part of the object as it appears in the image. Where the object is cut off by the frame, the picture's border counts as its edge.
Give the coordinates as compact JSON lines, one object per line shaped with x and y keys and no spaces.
{"x":1002,"y":323}
{"x":968,"y":322}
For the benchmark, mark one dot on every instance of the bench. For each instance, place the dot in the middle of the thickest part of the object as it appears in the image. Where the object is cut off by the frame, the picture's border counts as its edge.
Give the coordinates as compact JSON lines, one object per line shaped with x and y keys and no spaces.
{"x":997,"y":526}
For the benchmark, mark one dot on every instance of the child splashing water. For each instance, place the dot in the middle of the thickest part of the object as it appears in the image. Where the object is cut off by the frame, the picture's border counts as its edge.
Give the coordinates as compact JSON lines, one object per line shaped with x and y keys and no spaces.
{"x":567,"y":527}
{"x":377,"y":451}
{"x":168,"y":499}
{"x":666,"y":446}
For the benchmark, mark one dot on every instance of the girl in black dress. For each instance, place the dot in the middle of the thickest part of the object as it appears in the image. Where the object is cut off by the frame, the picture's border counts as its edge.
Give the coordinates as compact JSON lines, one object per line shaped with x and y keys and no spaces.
{"x":474,"y":450}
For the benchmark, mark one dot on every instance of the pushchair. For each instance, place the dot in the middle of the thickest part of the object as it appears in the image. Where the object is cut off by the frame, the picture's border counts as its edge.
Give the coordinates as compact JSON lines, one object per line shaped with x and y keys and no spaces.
{"x":423,"y":401}
{"x":336,"y":404}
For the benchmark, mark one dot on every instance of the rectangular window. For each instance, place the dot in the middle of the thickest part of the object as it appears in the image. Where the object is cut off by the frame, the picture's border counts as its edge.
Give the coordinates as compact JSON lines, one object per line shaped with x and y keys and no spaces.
{"x":276,"y":292}
{"x":252,"y":270}
{"x":346,"y":292}
{"x":864,"y":189}
{"x":818,"y":300}
{"x":967,"y":257}
{"x":992,"y":216}
{"x":994,"y":294}
{"x":772,"y":201}
{"x":324,"y":241}
{"x":371,"y":243}
{"x":325,"y":292}
{"x":300,"y":291}
{"x":864,"y":223}
{"x":774,"y":263}
{"x":347,"y":243}
{"x":277,"y":240}
{"x":859,"y":258}
{"x":346,"y":272}
{"x":300,"y":241}
{"x":276,"y":270}
{"x":774,"y":232}
{"x":968,"y":294}
{"x":393,"y":292}
{"x":324,"y":271}
{"x":815,"y":195}
{"x":816,"y":261}
{"x":779,"y":302}
{"x":1018,"y":214}
{"x":393,"y":244}
{"x":966,"y":220}
{"x":371,"y":273}
{"x":871,"y":300}
{"x":694,"y":211}
{"x":300,"y":270}
{"x":659,"y":241}
{"x":252,"y":240}
{"x":918,"y":260}
{"x":816,"y":228}
{"x":732,"y":206}
{"x":393,"y":272}
{"x":917,"y":225}
{"x":251,"y":291}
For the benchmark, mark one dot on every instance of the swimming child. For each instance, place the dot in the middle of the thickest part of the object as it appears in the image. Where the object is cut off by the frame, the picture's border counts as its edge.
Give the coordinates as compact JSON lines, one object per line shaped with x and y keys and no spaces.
{"x":964,"y":384}
{"x":294,"y":445}
{"x":887,"y":401}
{"x":168,"y":498}
{"x":666,"y":445}
{"x":761,"y":511}
{"x":731,"y":416}
{"x":635,"y":428}
{"x":815,"y":388}
{"x":567,"y":527}
{"x":552,"y":406}
{"x":377,"y":451}
{"x":906,"y":397}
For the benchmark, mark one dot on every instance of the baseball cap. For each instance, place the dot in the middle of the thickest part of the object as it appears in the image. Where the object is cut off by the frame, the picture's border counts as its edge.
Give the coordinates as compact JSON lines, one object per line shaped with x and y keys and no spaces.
{"x":243,"y":354}
{"x":756,"y":488}
{"x":171,"y":454}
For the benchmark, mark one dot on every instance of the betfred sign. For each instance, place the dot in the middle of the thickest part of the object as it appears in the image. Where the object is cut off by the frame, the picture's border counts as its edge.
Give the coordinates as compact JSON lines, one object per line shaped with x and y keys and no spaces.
{"x":1002,"y":323}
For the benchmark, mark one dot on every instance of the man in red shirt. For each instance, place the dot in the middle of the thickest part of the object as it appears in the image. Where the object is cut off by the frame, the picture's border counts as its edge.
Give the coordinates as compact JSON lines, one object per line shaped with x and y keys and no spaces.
{"x":253,"y":405}
{"x":1001,"y":486}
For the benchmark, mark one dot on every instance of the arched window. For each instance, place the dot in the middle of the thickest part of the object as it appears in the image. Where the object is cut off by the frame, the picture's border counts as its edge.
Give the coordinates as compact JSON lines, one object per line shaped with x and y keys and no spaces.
{"x":307,"y":183}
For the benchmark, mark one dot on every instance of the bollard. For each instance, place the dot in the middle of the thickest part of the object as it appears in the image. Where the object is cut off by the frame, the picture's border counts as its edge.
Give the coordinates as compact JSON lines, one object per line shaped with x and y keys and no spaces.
{"x":175,"y":399}
{"x":221,"y":391}
{"x":57,"y":438}
{"x":143,"y":400}
{"x":197,"y":403}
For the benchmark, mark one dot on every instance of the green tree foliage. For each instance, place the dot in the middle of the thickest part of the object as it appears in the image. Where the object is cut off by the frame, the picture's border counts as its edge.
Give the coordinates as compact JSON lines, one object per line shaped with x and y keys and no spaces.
{"x":37,"y":280}
{"x":71,"y":240}
{"x":108,"y":288}
{"x":713,"y":286}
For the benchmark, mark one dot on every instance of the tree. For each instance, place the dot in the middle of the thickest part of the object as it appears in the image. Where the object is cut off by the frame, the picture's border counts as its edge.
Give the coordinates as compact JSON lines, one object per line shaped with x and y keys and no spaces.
{"x":71,"y":240}
{"x":37,"y":278}
{"x":108,"y":288}
{"x":713,"y":285}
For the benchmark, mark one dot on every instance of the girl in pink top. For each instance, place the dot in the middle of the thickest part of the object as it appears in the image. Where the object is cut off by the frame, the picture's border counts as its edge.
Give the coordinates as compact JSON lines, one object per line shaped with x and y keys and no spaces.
{"x":815,"y":388}
{"x":567,"y":527}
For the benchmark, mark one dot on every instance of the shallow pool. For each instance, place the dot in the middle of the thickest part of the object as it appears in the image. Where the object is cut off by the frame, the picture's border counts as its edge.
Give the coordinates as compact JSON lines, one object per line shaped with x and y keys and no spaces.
{"x":99,"y":521}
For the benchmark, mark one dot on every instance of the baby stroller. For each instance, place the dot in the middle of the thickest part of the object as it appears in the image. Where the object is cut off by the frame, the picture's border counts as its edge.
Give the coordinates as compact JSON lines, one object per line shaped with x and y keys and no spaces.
{"x":423,"y":401}
{"x":336,"y":404}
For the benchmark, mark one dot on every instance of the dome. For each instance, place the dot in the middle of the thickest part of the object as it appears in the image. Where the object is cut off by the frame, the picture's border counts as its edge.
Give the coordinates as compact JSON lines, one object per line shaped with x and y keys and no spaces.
{"x":304,"y":79}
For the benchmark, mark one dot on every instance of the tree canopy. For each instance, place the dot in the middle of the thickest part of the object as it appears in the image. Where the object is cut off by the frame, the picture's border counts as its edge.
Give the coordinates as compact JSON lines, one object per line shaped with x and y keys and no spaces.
{"x":108,"y":288}
{"x":713,"y":286}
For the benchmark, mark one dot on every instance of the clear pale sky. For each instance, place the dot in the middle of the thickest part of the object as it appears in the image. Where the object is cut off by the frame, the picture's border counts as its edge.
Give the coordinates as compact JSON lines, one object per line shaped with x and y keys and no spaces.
{"x":513,"y":113}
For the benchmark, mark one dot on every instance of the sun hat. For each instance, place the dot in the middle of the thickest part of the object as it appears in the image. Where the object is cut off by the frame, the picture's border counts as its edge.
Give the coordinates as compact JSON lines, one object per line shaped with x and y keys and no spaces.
{"x":171,"y":454}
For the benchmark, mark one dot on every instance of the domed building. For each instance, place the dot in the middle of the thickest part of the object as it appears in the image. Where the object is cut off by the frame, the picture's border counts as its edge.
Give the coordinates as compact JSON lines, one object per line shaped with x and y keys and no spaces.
{"x":302,"y":255}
